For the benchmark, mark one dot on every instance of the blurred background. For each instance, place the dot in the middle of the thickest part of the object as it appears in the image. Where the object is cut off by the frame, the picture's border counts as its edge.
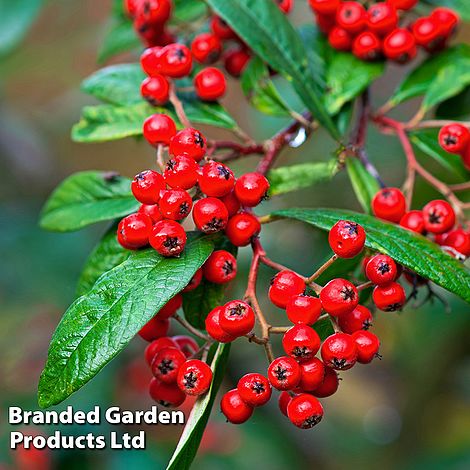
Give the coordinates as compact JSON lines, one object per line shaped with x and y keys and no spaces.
{"x":409,"y":411}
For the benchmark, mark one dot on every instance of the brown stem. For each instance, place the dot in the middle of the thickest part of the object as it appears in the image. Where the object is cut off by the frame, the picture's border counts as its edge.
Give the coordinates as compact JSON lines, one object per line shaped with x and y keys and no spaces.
{"x":179,"y":108}
{"x":190,"y":328}
{"x":366,"y":285}
{"x":160,"y":159}
{"x":461,"y":186}
{"x":433,"y":123}
{"x":321,"y":269}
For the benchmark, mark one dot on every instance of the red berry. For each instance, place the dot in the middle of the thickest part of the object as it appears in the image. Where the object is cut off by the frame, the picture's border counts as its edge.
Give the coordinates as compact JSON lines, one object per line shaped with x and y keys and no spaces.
{"x":152,"y":210}
{"x":210,"y":215}
{"x":175,"y":60}
{"x":181,"y":172}
{"x":168,"y":395}
{"x":414,"y":221}
{"x":359,"y":319}
{"x":131,"y":7}
{"x":454,"y":138}
{"x":367,"y":345}
{"x":301,"y":342}
{"x":170,"y":308}
{"x":235,"y":61}
{"x":154,"y":329}
{"x":166,"y":364}
{"x":237,"y":318}
{"x":285,"y":285}
{"x":325,"y":23}
{"x":221,"y":267}
{"x":221,"y":29}
{"x":189,"y":142}
{"x":155,"y":11}
{"x":194,"y":377}
{"x":389,"y":297}
{"x":284,"y":400}
{"x":403,"y":4}
{"x":155,"y":346}
{"x":459,"y":240}
{"x":213,"y":327}
{"x":339,"y":297}
{"x":303,"y":309}
{"x":389,"y":204}
{"x":351,"y":16}
{"x":466,"y":158}
{"x":339,"y":351}
{"x":305,"y":411}
{"x":382,"y":18}
{"x":367,"y":46}
{"x":242,"y":228}
{"x":447,"y":19}
{"x":134,"y":231}
{"x":206,"y":48}
{"x":150,"y":62}
{"x":159,"y":129}
{"x":400,"y":46}
{"x":155,"y":90}
{"x":146,"y":187}
{"x":347,"y":239}
{"x":210,"y":84}
{"x":313,"y":373}
{"x":439,"y":217}
{"x":194,"y":282}
{"x":168,"y":238}
{"x":324,"y":7}
{"x":216,"y":180}
{"x":231,"y":203}
{"x":285,"y":5}
{"x":254,"y":389}
{"x":428,"y":33}
{"x":251,"y":189}
{"x":340,"y":39}
{"x":175,"y":204}
{"x":234,"y":408}
{"x":381,"y":269}
{"x":329,"y":385}
{"x":284,"y":373}
{"x":188,"y":346}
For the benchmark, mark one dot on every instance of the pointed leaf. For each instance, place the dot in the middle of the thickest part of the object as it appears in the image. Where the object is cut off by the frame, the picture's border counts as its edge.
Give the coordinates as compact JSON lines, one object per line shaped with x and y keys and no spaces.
{"x":364,"y":184}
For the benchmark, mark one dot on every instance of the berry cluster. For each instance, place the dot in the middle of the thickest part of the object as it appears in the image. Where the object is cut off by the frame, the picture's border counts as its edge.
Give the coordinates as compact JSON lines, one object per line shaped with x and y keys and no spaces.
{"x":376,"y":33}
{"x":455,"y":138}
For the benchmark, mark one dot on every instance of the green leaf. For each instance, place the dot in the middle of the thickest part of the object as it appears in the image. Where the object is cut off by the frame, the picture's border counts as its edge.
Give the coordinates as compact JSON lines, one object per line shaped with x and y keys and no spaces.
{"x":462,"y":7}
{"x":324,"y":328}
{"x":316,"y":46}
{"x":86,"y":198}
{"x":98,"y":325}
{"x":191,"y":438}
{"x":292,"y":178}
{"x":187,"y":11}
{"x":271,"y":36}
{"x":457,"y":107}
{"x":364,"y":184}
{"x":407,"y":248}
{"x":211,"y":114}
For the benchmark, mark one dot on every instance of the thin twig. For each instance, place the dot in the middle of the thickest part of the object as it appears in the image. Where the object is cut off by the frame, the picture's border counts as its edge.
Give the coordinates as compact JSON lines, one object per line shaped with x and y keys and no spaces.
{"x":190,"y":328}
{"x":321,"y":269}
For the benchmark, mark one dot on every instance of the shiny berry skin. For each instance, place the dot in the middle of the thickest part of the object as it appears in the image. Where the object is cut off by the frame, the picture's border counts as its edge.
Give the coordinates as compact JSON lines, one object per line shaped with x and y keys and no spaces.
{"x":389,"y":204}
{"x":367,"y":345}
{"x":235,"y":61}
{"x":301,"y":342}
{"x":221,"y":267}
{"x":242,"y":228}
{"x":216,"y":179}
{"x":367,"y":46}
{"x":231,"y":203}
{"x":439,"y":217}
{"x":150,"y":62}
{"x":155,"y":346}
{"x":187,"y":345}
{"x":237,"y":318}
{"x":359,"y":319}
{"x":159,"y":129}
{"x":283,"y":401}
{"x":154,"y":329}
{"x":382,"y":18}
{"x":175,"y":204}
{"x":254,"y":389}
{"x":324,"y":7}
{"x":381,"y":269}
{"x":329,"y":386}
{"x":303,"y":309}
{"x":166,"y":364}
{"x":389,"y":297}
{"x":339,"y":351}
{"x":339,"y":297}
{"x":146,"y":187}
{"x":313,"y":373}
{"x":448,"y":20}
{"x":284,"y":373}
{"x":454,"y":138}
{"x":285,"y":285}
{"x":170,"y":308}
{"x":352,"y":17}
{"x":168,"y":395}
{"x":403,"y":4}
{"x":175,"y":60}
{"x":221,"y":29}
{"x":181,"y":172}
{"x":347,"y":239}
{"x":206,"y":48}
{"x":152,"y":210}
{"x":168,"y":238}
{"x":305,"y":411}
{"x":134,"y":231}
{"x":210,"y":215}
{"x":213,"y":327}
{"x":340,"y":39}
{"x":251,"y":189}
{"x":210,"y":84}
{"x":194,"y":377}
{"x":189,"y":142}
{"x":400,"y":46}
{"x":155,"y":11}
{"x":155,"y":90}
{"x":194,"y":282}
{"x":428,"y":34}
{"x":459,"y":240}
{"x":234,"y":408}
{"x":413,"y":220}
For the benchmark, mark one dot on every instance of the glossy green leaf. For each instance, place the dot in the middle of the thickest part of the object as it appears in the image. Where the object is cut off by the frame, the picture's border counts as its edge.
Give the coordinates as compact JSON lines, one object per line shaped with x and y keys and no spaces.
{"x":187,"y":11}
{"x":316,"y":47}
{"x":324,"y":328}
{"x":364,"y":184}
{"x":407,"y":248}
{"x":86,"y":198}
{"x":98,"y":325}
{"x":457,"y":107}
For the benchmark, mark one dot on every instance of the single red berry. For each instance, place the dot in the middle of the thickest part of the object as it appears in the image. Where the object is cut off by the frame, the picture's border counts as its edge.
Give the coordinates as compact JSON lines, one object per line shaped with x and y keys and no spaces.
{"x":159,"y":129}
{"x":285,"y":285}
{"x":466,"y":158}
{"x":189,"y":142}
{"x":206,"y":48}
{"x":168,"y":395}
{"x":303,"y":309}
{"x":131,"y":7}
{"x":339,"y":297}
{"x":459,"y":240}
{"x":147,"y":185}
{"x":168,"y":238}
{"x":155,"y":11}
{"x":367,"y":345}
{"x":216,"y":179}
{"x":210,"y":84}
{"x":251,"y":189}
{"x":221,"y":267}
{"x":454,"y":138}
{"x":400,"y":46}
{"x":284,"y":373}
{"x":284,"y":400}
{"x":152,"y":210}
{"x":381,"y":269}
{"x":389,"y":297}
{"x":301,"y":342}
{"x":237,"y":318}
{"x":389,"y":204}
{"x":325,"y":23}
{"x":339,"y":351}
{"x":154,"y":329}
{"x":367,"y":46}
{"x":359,"y":319}
{"x":448,"y":20}
{"x":242,"y":229}
{"x":305,"y":411}
{"x":210,"y":215}
{"x":152,"y":35}
{"x":329,"y":385}
{"x":313,"y":373}
{"x":155,"y":346}
{"x":170,"y":308}
{"x":181,"y":172}
{"x":236,"y":60}
{"x":175,"y":60}
{"x":155,"y":90}
{"x":382,"y":18}
{"x":428,"y":33}
{"x":352,"y":17}
{"x":194,"y":377}
{"x":213,"y":327}
{"x":221,"y":29}
{"x":231,"y":203}
{"x":150,"y":62}
{"x":413,"y":220}
{"x":195,"y":281}
{"x":134,"y":231}
{"x":403,"y":4}
{"x":234,"y":408}
{"x":188,"y":346}
{"x":166,"y":364}
{"x":285,"y":5}
{"x":439,"y":217}
{"x":340,"y":39}
{"x":254,"y":389}
{"x":324,"y":7}
{"x":175,"y":204}
{"x":347,"y":239}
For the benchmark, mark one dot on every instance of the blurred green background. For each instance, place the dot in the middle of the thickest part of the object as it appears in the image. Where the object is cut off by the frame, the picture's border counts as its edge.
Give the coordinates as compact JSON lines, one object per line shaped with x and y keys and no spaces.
{"x":408,"y":411}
